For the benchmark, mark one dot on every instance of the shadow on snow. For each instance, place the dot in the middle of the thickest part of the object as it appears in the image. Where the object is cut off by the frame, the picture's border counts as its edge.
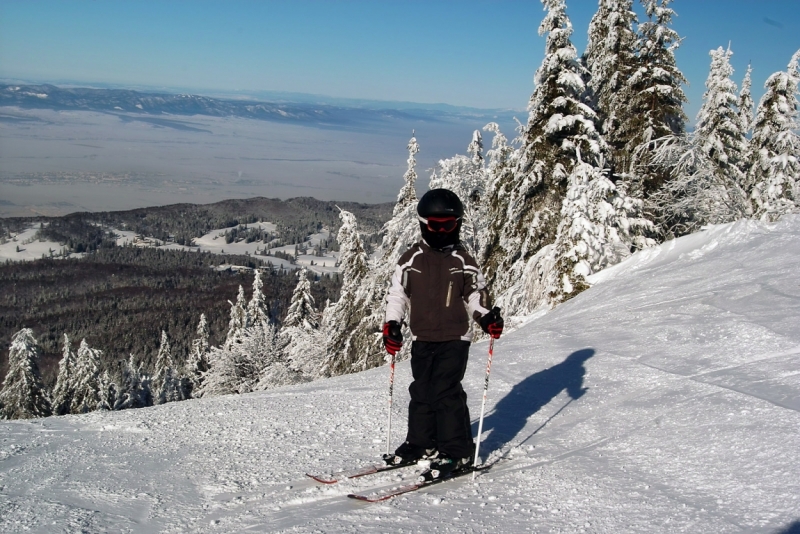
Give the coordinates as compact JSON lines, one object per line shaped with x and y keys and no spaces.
{"x":532,"y":394}
{"x":794,"y":528}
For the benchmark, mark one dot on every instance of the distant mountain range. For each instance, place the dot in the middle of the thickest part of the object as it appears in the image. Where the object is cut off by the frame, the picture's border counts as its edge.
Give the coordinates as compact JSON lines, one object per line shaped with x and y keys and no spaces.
{"x":124,"y":101}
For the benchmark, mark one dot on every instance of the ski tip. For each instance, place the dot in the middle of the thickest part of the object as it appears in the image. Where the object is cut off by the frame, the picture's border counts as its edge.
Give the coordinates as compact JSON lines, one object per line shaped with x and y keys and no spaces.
{"x":321,"y":480}
{"x":363,"y":498}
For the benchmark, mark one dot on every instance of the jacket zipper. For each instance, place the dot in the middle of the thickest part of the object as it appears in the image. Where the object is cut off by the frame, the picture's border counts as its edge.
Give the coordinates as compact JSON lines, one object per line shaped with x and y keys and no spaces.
{"x":449,"y":291}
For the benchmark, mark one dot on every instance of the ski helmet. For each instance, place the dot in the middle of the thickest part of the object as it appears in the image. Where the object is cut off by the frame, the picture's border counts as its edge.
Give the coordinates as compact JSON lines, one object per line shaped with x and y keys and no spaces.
{"x":441,"y":203}
{"x":440,"y":212}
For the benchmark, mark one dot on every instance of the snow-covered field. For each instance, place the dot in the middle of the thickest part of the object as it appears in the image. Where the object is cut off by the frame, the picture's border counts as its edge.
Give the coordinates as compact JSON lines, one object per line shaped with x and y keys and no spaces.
{"x":663,"y":399}
{"x":25,"y":247}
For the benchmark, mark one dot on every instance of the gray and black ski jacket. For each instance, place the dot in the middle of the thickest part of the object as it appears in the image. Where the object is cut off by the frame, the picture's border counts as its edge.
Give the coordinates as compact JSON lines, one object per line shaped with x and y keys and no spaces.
{"x":442,"y":288}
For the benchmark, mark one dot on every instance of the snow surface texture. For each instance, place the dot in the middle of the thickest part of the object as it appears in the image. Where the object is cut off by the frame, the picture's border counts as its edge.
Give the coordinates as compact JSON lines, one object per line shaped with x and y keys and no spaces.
{"x":663,"y":399}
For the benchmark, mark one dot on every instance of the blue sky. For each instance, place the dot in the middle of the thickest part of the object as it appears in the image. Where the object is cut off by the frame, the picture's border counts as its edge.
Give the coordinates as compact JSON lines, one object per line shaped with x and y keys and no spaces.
{"x":473,"y":53}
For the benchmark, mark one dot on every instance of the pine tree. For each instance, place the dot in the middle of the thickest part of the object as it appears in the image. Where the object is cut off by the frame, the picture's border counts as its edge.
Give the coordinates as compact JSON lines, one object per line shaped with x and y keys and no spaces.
{"x":167,"y":383}
{"x":107,"y":392}
{"x":500,"y":154}
{"x":775,"y":170}
{"x":745,"y":107}
{"x":708,"y":184}
{"x":466,"y":176}
{"x":172,"y":387}
{"x":599,"y":224}
{"x":655,"y":106}
{"x":238,"y":320}
{"x":63,"y":390}
{"x":87,"y":373}
{"x":408,"y":194}
{"x":305,"y":342}
{"x":302,"y":312}
{"x":245,"y":366}
{"x":745,"y":103}
{"x":525,"y":206}
{"x":23,"y":395}
{"x":163,"y":364}
{"x":358,"y":346}
{"x":719,"y":132}
{"x":223,"y":376}
{"x":475,"y":149}
{"x":198,"y":357}
{"x":341,"y":320}
{"x":269,"y":354}
{"x":611,"y":59}
{"x":134,"y":388}
{"x":257,"y":308}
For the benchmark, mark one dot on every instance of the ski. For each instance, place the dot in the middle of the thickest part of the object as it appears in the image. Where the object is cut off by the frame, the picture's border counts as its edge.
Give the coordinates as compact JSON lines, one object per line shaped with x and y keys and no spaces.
{"x":356,"y":473}
{"x":408,"y":488}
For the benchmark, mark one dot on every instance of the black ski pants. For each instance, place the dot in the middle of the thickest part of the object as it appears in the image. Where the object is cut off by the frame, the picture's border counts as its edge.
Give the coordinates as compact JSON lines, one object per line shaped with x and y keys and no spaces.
{"x":438,"y":415}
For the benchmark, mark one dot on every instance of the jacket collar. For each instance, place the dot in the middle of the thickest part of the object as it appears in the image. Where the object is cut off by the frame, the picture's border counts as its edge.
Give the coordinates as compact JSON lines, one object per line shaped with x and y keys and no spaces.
{"x":447,"y":250}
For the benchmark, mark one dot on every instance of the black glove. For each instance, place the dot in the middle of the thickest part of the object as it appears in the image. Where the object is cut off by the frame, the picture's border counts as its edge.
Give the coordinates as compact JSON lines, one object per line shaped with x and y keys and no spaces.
{"x":492,"y":323}
{"x":392,"y":337}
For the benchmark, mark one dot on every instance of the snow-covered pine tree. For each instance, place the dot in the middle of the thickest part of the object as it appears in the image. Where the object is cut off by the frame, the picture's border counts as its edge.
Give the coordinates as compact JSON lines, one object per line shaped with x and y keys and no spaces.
{"x":172,"y":387}
{"x":500,"y":154}
{"x":167,"y":383}
{"x":134,"y":388}
{"x":745,"y":103}
{"x":163,"y":364}
{"x":302,"y":311}
{"x":244,"y":367}
{"x":466,"y":176}
{"x":23,"y":395}
{"x":197,"y":363}
{"x":475,"y":149}
{"x":62,"y":392}
{"x":746,"y":107}
{"x":708,"y":184}
{"x":269,"y":354}
{"x":257,"y":308}
{"x":399,"y":233}
{"x":106,"y":392}
{"x":656,"y":98}
{"x":305,"y":343}
{"x":611,"y":59}
{"x":408,"y":193}
{"x":525,"y":206}
{"x":599,"y":225}
{"x":87,"y":372}
{"x":341,"y":320}
{"x":223,"y":376}
{"x":499,"y":170}
{"x":163,"y":359}
{"x":363,"y":348}
{"x":719,"y":132}
{"x":238,"y":320}
{"x":775,"y":145}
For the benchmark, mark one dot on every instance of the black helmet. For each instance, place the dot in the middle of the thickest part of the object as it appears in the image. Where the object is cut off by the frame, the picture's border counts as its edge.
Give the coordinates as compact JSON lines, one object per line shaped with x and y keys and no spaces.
{"x":440,"y":202}
{"x":445,"y":204}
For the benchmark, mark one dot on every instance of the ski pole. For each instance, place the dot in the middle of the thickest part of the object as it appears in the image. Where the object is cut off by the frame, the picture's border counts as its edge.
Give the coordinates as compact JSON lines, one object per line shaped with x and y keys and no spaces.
{"x":483,"y":405}
{"x":391,"y":390}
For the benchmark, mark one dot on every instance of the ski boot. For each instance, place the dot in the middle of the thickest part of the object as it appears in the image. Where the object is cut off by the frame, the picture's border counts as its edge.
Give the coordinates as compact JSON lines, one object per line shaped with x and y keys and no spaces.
{"x":408,"y":454}
{"x":444,"y":466}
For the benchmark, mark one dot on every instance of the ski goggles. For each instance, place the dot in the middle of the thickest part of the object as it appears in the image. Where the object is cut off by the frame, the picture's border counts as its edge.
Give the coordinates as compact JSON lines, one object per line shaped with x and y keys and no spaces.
{"x":440,"y":224}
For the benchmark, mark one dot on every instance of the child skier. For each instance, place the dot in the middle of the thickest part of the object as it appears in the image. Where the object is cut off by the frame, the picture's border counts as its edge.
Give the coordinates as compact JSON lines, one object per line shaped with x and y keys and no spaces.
{"x":444,"y":288}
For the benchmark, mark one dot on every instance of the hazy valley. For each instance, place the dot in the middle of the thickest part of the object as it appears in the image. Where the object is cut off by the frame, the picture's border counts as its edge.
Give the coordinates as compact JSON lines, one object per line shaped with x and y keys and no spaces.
{"x":98,"y":151}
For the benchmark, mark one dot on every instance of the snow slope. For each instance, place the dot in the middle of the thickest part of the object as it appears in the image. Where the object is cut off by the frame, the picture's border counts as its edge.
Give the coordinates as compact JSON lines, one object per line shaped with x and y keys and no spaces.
{"x":663,"y":399}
